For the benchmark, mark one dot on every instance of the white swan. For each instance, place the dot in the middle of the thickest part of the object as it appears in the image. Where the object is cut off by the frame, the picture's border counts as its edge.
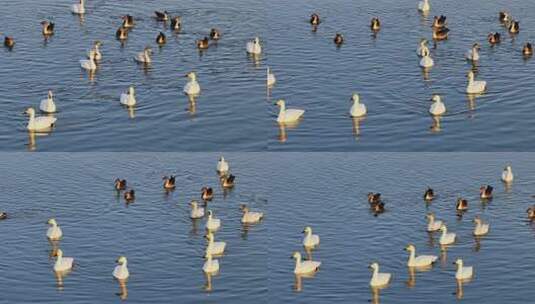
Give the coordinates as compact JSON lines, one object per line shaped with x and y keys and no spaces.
{"x":481,"y":227}
{"x":423,"y":6}
{"x":507,"y":175}
{"x":214,"y":248}
{"x":437,"y":107}
{"x":254,"y":47}
{"x":446,"y":238}
{"x":53,"y":233}
{"x":357,"y":109}
{"x":210,"y":265}
{"x":129,"y":98}
{"x":62,"y":263}
{"x":250,"y":217}
{"x":212,"y":224}
{"x":474,"y":86}
{"x":288,"y":115}
{"x":196,"y":211}
{"x":89,"y":64}
{"x":78,"y":8}
{"x":419,"y":261}
{"x":432,"y":224}
{"x":304,"y":267}
{"x":379,"y":279}
{"x":310,"y":240}
{"x":39,"y":123}
{"x":270,"y":78}
{"x":192,"y":87}
{"x":426,"y":61}
{"x":96,"y":50}
{"x":222,"y":166}
{"x":473,"y":53}
{"x":463,"y":272}
{"x":47,"y":105}
{"x":421,"y":46}
{"x":144,"y":57}
{"x":120,"y":272}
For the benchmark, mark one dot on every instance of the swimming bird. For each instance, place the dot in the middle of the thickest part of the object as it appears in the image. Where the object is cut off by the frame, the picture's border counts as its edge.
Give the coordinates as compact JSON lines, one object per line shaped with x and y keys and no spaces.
{"x":211,"y":265}
{"x":169,"y":182}
{"x":3,"y":215}
{"x":250,"y":217}
{"x":176,"y":23}
{"x":192,"y":87}
{"x":39,"y":123}
{"x":481,"y":227}
{"x":426,"y":61}
{"x":62,"y":263}
{"x":227,"y":181}
{"x":120,"y":272}
{"x":122,"y":33}
{"x":144,"y":57}
{"x":212,"y":224}
{"x":254,"y":47}
{"x":473,"y":53}
{"x":310,"y":240}
{"x":288,"y":115}
{"x":196,"y":211}
{"x":374,"y":198}
{"x":419,"y":261}
{"x":375,"y":24}
{"x":494,"y":38}
{"x":207,"y":193}
{"x":203,"y":44}
{"x":54,"y":232}
{"x":441,"y":33}
{"x":439,"y":22}
{"x":9,"y":42}
{"x":421,"y":46}
{"x":437,"y":107}
{"x":357,"y":109}
{"x":446,"y":238}
{"x":527,"y":49}
{"x":378,"y":208}
{"x":338,"y":39}
{"x":161,"y":16}
{"x":78,"y":8}
{"x":89,"y":64}
{"x":214,"y":248}
{"x":315,"y":19}
{"x":161,"y":39}
{"x":304,"y":267}
{"x":222,"y":166}
{"x":507,"y":175}
{"x":424,"y":6}
{"x":379,"y":279}
{"x":128,"y":98}
{"x":47,"y":105}
{"x":514,"y":27}
{"x":429,"y":194}
{"x":129,"y":195}
{"x":48,"y":28}
{"x":128,"y":21}
{"x":475,"y":87}
{"x":504,"y":17}
{"x":463,"y":272}
{"x":485,"y":192}
{"x":461,"y":204}
{"x":119,"y":184}
{"x":432,"y":224}
{"x":270,"y":78}
{"x":531,"y":212}
{"x":215,"y":34}
{"x":96,"y":50}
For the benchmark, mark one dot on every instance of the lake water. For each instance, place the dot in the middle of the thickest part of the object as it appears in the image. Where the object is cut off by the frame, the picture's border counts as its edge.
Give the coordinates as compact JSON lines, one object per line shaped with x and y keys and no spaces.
{"x":230,"y":114}
{"x":163,"y":245}
{"x":314,"y":75}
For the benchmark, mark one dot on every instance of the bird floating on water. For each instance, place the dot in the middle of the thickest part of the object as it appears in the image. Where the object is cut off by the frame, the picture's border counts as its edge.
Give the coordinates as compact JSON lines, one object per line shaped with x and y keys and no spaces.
{"x":222,"y":166}
{"x":432,"y":223}
{"x":481,"y":228}
{"x":424,"y":6}
{"x":429,"y":194}
{"x":379,"y":279}
{"x":494,"y":38}
{"x":120,"y":272}
{"x":48,"y":28}
{"x":338,"y":39}
{"x":254,"y":47}
{"x":437,"y":107}
{"x":463,"y":272}
{"x":527,"y":49}
{"x":207,"y":193}
{"x":485,"y":192}
{"x":446,"y":238}
{"x":426,"y":61}
{"x":304,"y":267}
{"x":144,"y":57}
{"x":176,"y":23}
{"x":375,"y":24}
{"x":475,"y":86}
{"x":507,"y":175}
{"x":357,"y":109}
{"x":128,"y":21}
{"x":419,"y":261}
{"x":62,"y":263}
{"x":128,"y":98}
{"x":78,"y":8}
{"x":39,"y":123}
{"x":250,"y":217}
{"x":89,"y":64}
{"x":196,"y":211}
{"x":315,"y":19}
{"x":215,"y":34}
{"x":212,"y":224}
{"x":54,"y":232}
{"x":169,"y":182}
{"x":473,"y":53}
{"x":161,"y":16}
{"x":192,"y":87}
{"x":161,"y":39}
{"x":47,"y":105}
{"x":310,"y":240}
{"x":270,"y":78}
{"x":119,"y":184}
{"x":203,"y":44}
{"x":288,"y":115}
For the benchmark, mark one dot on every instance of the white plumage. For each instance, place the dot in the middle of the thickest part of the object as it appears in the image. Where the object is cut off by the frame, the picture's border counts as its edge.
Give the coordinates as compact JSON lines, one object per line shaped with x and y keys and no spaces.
{"x":39,"y":123}
{"x":62,"y":263}
{"x":47,"y":105}
{"x":54,"y":232}
{"x":192,"y":87}
{"x":120,"y":272}
{"x":357,"y":109}
{"x":419,"y":261}
{"x":310,"y":240}
{"x":379,"y":279}
{"x":304,"y":267}
{"x":129,"y":98}
{"x":254,"y":47}
{"x":288,"y":115}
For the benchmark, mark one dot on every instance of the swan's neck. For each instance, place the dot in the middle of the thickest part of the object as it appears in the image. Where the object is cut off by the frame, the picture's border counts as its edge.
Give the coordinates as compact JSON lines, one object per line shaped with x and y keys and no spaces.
{"x":297,"y":261}
{"x":123,"y":265}
{"x":32,"y":118}
{"x":444,"y":231}
{"x":309,"y":233}
{"x":375,"y":272}
{"x":460,"y":268}
{"x":412,"y":255}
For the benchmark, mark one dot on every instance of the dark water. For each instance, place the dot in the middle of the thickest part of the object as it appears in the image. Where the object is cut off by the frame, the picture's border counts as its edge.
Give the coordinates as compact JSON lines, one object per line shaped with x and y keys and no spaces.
{"x":230,"y":114}
{"x":314,"y":75}
{"x":163,"y":246}
{"x":328,"y":192}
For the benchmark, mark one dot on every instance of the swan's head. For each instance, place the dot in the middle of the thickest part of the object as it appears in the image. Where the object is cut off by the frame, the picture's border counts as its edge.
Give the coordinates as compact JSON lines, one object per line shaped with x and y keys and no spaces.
{"x":477,"y":219}
{"x":194,"y":204}
{"x":192,"y":76}
{"x":221,"y":159}
{"x":470,"y":75}
{"x":476,"y":46}
{"x":307,"y":230}
{"x":256,"y":40}
{"x":280,"y":103}
{"x":147,"y":50}
{"x":355,"y":97}
{"x":121,"y":260}
{"x":436,"y":98}
{"x":374,"y":266}
{"x":30,"y":111}
{"x":507,"y":168}
{"x":423,"y":42}
{"x":430,"y":216}
{"x":59,"y":253}
{"x":50,"y":95}
{"x":296,"y":255}
{"x":410,"y":248}
{"x":209,"y":213}
{"x":98,"y":43}
{"x":458,"y":262}
{"x":443,"y":228}
{"x":52,"y":222}
{"x":131,"y":90}
{"x":244,"y":208}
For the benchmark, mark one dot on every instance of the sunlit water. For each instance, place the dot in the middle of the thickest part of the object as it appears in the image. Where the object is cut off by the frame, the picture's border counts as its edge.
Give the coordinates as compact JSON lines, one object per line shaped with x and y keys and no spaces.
{"x":314,"y":75}
{"x":163,"y":245}
{"x":230,"y":114}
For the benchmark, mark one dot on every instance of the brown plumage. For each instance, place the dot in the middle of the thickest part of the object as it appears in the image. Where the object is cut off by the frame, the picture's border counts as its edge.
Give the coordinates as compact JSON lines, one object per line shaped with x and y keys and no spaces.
{"x":161,"y":16}
{"x":122,"y":33}
{"x":531,"y":212}
{"x":441,"y":33}
{"x":203,"y":43}
{"x":514,"y":27}
{"x":215,"y":34}
{"x":128,"y":21}
{"x":227,"y":181}
{"x":374,"y":198}
{"x":315,"y":19}
{"x":429,"y":195}
{"x":176,"y":23}
{"x":3,"y":215}
{"x":207,"y":193}
{"x":504,"y":16}
{"x":169,"y":182}
{"x":130,"y":195}
{"x":161,"y":39}
{"x":485,"y":192}
{"x":120,"y":184}
{"x":378,"y":208}
{"x":338,"y":39}
{"x":462,"y":204}
{"x":439,"y":22}
{"x":527,"y":50}
{"x":375,"y":24}
{"x":9,"y":42}
{"x":494,"y":38}
{"x":48,"y":28}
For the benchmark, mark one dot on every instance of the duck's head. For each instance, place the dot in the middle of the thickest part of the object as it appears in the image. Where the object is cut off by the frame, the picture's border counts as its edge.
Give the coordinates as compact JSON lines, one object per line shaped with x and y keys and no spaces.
{"x":307,"y":229}
{"x":121,"y":260}
{"x":52,"y":222}
{"x":374,"y":266}
{"x":30,"y":111}
{"x":410,"y":248}
{"x":280,"y":103}
{"x":296,"y":255}
{"x":355,"y":97}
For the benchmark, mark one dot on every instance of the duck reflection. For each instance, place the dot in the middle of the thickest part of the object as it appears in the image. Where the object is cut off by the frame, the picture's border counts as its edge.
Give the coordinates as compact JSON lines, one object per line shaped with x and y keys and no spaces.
{"x":192,"y":106}
{"x":425,"y":73}
{"x":255,"y":58}
{"x":194,"y":227}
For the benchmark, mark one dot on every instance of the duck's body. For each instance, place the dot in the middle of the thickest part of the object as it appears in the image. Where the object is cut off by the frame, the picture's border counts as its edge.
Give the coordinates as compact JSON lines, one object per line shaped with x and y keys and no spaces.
{"x":254,"y":47}
{"x":304,"y":267}
{"x":426,"y":61}
{"x":214,"y":248}
{"x":9,"y":42}
{"x":169,"y":182}
{"x":437,"y":107}
{"x":357,"y":109}
{"x":3,"y":215}
{"x":423,"y":6}
{"x":120,"y":272}
{"x":374,"y":198}
{"x":475,"y":86}
{"x":494,"y":38}
{"x":310,"y":240}
{"x":128,"y":21}
{"x":176,"y":23}
{"x":250,"y":217}
{"x":378,"y":208}
{"x":129,"y":195}
{"x":89,"y":64}
{"x":120,"y":184}
{"x":315,"y":19}
{"x":441,"y":33}
{"x":288,"y":115}
{"x":379,"y":279}
{"x":439,"y":22}
{"x":203,"y":44}
{"x":122,"y":33}
{"x":473,"y":53}
{"x":212,"y":224}
{"x":215,"y":34}
{"x":432,"y":224}
{"x":47,"y":105}
{"x":161,"y":16}
{"x":210,"y":266}
{"x":429,"y":194}
{"x":129,"y":98}
{"x":338,"y":39}
{"x":507,"y":175}
{"x":481,"y":228}
{"x":463,"y":272}
{"x":419,"y":261}
{"x":514,"y":27}
{"x":270,"y":78}
{"x":48,"y":28}
{"x":375,"y":24}
{"x":144,"y":57}
{"x":485,"y":192}
{"x":196,"y":211}
{"x":227,"y":181}
{"x":54,"y":232}
{"x":62,"y":263}
{"x":39,"y":123}
{"x":207,"y":193}
{"x":446,"y":238}
{"x":192,"y":87}
{"x":461,"y":205}
{"x":531,"y":212}
{"x":504,"y":17}
{"x":527,"y":49}
{"x":161,"y":39}
{"x":78,"y":8}
{"x":222,"y":166}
